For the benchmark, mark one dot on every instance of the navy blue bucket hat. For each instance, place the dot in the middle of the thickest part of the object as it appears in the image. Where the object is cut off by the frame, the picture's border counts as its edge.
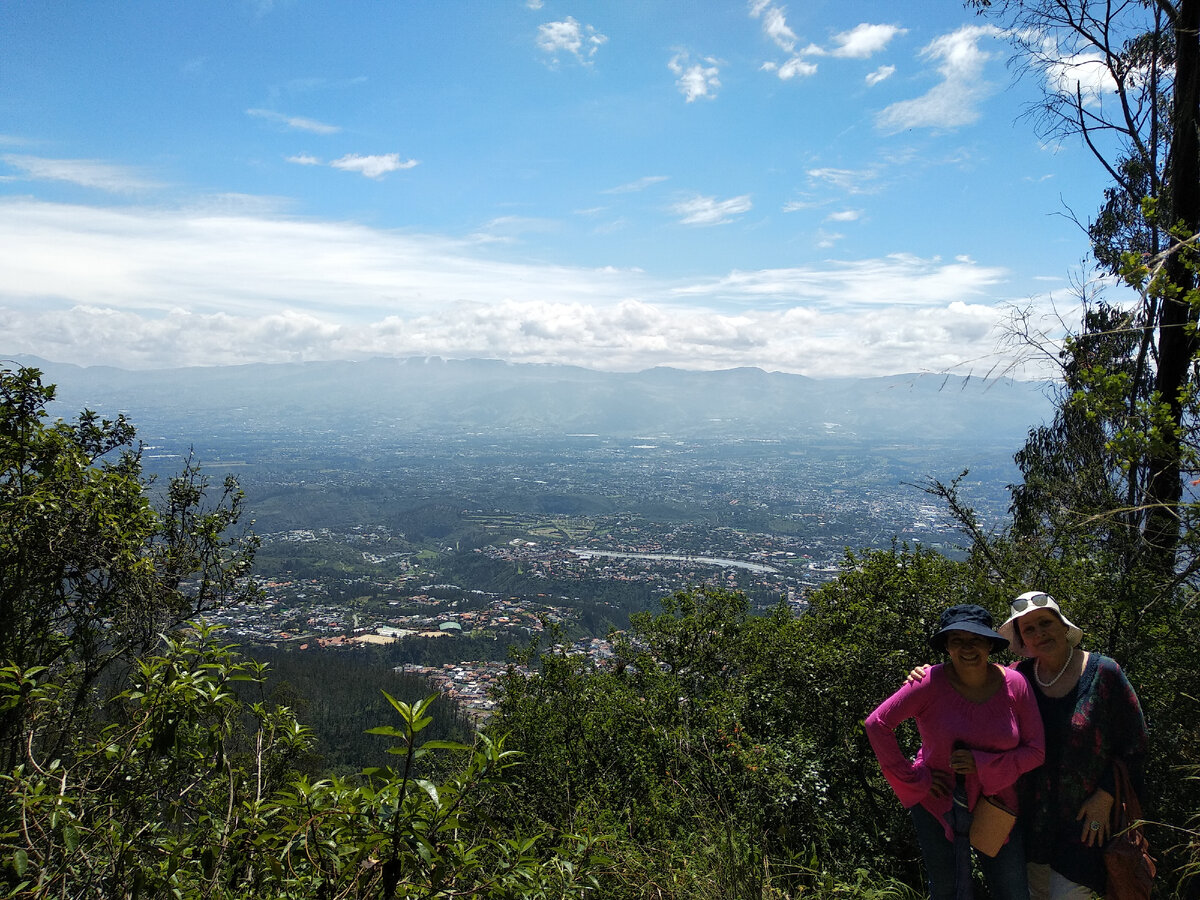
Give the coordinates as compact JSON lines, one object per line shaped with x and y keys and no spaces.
{"x":967,"y":617}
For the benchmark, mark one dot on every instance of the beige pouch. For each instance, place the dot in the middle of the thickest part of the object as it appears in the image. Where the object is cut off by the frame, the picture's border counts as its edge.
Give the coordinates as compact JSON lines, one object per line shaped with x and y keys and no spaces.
{"x":990,"y":824}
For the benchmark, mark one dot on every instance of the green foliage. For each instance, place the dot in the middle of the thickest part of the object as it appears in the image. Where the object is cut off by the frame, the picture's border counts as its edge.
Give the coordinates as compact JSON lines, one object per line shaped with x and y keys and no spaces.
{"x":91,"y":568}
{"x":335,"y":692}
{"x":725,"y":752}
{"x":189,"y":792}
{"x":183,"y":784}
{"x":719,"y":755}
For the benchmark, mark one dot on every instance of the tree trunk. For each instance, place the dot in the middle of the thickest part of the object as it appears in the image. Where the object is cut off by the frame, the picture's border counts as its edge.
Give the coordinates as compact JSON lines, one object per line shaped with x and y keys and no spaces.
{"x":1177,"y":343}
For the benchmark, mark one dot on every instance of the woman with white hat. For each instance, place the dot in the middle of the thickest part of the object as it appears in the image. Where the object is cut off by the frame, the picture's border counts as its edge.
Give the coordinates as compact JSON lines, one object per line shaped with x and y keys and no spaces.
{"x":1091,"y":717}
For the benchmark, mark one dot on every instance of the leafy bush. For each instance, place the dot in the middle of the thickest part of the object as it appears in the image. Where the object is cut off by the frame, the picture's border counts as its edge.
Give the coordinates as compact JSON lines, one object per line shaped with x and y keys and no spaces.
{"x":189,"y":793}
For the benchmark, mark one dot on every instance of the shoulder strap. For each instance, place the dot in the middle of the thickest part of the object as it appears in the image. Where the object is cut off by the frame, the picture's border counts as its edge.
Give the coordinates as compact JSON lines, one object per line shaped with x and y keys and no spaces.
{"x":1125,"y":799}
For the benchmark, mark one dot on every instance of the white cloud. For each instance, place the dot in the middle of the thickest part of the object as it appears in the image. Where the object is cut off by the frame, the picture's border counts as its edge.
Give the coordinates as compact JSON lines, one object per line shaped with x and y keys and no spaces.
{"x":87,"y":173}
{"x":142,"y":288}
{"x":883,"y":73}
{"x":508,"y":229}
{"x":580,"y":41}
{"x":899,"y":279}
{"x":955,"y":100}
{"x":864,"y":40}
{"x":294,"y":122}
{"x":303,"y":159}
{"x":1085,"y":72}
{"x":709,"y":210}
{"x":373,"y":166}
{"x":851,"y":181}
{"x":796,"y":66}
{"x":798,"y":205}
{"x":639,"y":185}
{"x":844,"y":215}
{"x":776,"y":29}
{"x":695,"y":80}
{"x":774,"y":23}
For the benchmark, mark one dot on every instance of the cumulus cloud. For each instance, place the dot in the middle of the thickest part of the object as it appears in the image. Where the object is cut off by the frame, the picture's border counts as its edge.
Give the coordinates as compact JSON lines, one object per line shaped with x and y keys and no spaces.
{"x":860,"y":42}
{"x":695,"y":80}
{"x":864,"y":40}
{"x":1085,"y":73}
{"x":139,"y":287}
{"x":776,"y":29}
{"x":774,"y":23}
{"x":372,"y":166}
{"x":793,"y":68}
{"x":296,"y":123}
{"x":883,"y":73}
{"x":570,"y":37}
{"x":700,"y":210}
{"x":88,"y":173}
{"x":367,"y":166}
{"x":954,"y":101}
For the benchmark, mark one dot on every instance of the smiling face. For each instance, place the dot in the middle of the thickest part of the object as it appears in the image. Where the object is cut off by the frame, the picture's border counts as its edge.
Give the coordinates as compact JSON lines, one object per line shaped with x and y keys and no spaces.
{"x":1043,"y":634}
{"x":967,"y":650}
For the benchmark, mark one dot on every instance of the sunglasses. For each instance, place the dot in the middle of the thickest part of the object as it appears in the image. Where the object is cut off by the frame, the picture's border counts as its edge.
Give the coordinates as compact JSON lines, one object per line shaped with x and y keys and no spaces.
{"x":1023,"y":603}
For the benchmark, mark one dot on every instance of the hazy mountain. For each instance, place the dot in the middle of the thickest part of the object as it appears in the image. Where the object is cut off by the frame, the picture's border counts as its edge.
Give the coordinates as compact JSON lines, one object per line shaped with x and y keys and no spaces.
{"x":432,"y":395}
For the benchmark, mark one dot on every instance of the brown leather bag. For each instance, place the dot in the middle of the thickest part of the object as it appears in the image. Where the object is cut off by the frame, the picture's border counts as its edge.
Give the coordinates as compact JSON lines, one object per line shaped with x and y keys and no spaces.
{"x":991,"y":823}
{"x":1127,"y":857}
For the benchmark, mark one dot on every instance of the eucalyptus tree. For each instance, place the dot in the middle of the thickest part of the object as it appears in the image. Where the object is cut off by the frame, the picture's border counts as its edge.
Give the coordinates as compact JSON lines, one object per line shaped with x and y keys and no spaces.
{"x":1123,"y":77}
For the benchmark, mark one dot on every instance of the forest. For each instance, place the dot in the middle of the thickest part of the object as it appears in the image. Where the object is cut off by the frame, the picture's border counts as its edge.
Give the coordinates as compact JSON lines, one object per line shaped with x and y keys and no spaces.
{"x":722,"y":753}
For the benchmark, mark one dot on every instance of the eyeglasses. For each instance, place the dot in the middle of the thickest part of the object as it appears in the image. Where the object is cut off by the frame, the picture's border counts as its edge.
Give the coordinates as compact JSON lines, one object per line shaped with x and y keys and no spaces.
{"x":1023,"y":603}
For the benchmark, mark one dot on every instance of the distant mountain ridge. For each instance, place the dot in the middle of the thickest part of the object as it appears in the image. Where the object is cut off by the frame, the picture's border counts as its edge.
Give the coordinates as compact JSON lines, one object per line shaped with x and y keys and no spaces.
{"x":432,"y":395}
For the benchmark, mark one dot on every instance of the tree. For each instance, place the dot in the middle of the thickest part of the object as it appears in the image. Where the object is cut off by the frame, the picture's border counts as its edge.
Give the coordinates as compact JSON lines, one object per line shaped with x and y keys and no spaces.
{"x":189,"y":792}
{"x":1124,"y":77}
{"x":725,"y":752}
{"x":95,"y":561}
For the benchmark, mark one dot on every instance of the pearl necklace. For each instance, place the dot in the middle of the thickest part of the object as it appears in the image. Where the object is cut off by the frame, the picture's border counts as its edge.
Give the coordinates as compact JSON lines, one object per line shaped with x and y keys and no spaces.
{"x":1049,"y":684}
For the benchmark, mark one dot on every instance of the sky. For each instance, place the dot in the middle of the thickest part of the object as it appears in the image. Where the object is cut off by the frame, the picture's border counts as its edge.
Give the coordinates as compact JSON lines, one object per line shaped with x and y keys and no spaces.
{"x":825,"y":188}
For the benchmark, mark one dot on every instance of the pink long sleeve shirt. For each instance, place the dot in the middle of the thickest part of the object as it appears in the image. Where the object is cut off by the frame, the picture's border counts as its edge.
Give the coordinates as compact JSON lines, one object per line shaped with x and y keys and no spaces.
{"x":1004,"y":732}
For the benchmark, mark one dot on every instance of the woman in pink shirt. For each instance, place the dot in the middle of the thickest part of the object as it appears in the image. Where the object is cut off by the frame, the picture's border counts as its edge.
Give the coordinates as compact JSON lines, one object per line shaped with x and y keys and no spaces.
{"x":977,"y":720}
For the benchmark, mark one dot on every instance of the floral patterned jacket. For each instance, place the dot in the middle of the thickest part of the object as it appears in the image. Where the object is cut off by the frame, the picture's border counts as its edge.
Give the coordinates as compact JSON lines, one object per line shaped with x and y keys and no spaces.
{"x":1099,"y":721}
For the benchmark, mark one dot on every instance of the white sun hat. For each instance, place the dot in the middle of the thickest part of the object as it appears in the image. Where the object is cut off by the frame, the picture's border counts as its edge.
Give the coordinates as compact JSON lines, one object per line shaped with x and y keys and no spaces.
{"x":1028,"y":602}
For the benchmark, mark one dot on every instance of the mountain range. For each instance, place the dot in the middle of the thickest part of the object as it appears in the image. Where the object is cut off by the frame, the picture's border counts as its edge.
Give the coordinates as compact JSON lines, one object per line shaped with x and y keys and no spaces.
{"x":431,"y":395}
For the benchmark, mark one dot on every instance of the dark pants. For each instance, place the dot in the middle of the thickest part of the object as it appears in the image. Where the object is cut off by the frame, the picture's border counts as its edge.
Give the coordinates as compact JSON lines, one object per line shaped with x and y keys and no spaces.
{"x":1004,"y":874}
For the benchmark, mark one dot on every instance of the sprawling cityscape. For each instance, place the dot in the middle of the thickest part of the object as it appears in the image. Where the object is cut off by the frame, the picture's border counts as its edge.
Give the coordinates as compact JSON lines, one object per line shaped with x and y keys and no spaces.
{"x":435,"y":516}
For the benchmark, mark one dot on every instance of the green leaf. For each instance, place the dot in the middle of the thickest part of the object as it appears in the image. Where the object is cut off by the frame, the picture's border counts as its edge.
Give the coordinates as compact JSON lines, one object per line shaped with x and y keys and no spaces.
{"x":445,"y":745}
{"x":387,"y":731}
{"x":431,"y":789}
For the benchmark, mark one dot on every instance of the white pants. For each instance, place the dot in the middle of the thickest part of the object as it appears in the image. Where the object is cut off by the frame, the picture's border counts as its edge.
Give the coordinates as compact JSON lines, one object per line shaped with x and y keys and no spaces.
{"x":1046,"y":884}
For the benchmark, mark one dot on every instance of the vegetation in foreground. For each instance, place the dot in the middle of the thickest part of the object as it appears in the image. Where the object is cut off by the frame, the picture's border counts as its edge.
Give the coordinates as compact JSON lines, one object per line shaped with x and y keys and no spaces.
{"x":723,"y":755}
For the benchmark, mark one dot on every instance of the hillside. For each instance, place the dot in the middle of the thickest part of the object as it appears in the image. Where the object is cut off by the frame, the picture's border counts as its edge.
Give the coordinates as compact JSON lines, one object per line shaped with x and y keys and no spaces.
{"x":432,"y":395}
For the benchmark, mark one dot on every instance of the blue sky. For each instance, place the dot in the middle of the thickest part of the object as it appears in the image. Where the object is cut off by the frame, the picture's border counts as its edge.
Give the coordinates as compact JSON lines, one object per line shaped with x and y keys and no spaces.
{"x":828,"y":188}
